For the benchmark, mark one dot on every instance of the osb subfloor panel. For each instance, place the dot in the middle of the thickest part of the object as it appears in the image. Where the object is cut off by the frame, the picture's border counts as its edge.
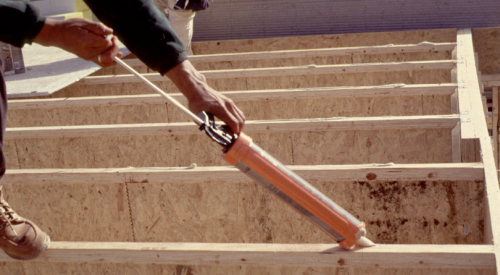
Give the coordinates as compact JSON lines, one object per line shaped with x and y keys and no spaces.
{"x":89,"y":115}
{"x":253,"y":110}
{"x":325,"y":41}
{"x":84,"y":212}
{"x":336,"y":107}
{"x":36,"y":268}
{"x":331,"y":60}
{"x":300,"y":148}
{"x":284,"y":62}
{"x":486,"y":45}
{"x":425,"y":212}
{"x":260,"y":83}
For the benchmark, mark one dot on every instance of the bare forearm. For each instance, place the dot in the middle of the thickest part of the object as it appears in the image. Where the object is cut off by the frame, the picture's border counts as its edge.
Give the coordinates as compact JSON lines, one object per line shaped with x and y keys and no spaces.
{"x":201,"y":97}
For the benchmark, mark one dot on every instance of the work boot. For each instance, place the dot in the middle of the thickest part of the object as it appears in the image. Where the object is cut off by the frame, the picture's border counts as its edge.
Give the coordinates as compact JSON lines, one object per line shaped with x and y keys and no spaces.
{"x":20,"y":238}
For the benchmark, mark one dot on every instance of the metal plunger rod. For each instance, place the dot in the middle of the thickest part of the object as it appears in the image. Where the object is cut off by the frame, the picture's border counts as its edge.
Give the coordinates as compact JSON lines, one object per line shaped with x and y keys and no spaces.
{"x":170,"y":99}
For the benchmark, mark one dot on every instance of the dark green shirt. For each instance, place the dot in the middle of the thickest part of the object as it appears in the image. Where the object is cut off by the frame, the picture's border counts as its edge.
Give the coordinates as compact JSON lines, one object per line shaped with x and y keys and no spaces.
{"x":20,"y":22}
{"x":137,"y":23}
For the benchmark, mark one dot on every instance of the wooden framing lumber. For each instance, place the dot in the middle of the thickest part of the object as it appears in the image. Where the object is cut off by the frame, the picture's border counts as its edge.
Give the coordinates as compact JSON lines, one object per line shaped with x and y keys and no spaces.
{"x":302,"y":93}
{"x":380,"y":256}
{"x":384,"y":49}
{"x":268,"y":126}
{"x":468,"y":88}
{"x":287,"y":71}
{"x":333,"y":173}
{"x":496,"y":113}
{"x":467,"y":74}
{"x":490,"y":80}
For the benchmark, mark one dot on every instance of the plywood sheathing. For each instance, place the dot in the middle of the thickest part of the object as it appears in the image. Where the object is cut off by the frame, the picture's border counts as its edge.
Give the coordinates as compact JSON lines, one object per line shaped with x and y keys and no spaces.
{"x":395,"y":212}
{"x":309,"y":148}
{"x":260,"y":83}
{"x":324,"y":41}
{"x":89,"y":212}
{"x":253,"y":110}
{"x":487,"y":45}
{"x":88,"y":115}
{"x":406,"y":212}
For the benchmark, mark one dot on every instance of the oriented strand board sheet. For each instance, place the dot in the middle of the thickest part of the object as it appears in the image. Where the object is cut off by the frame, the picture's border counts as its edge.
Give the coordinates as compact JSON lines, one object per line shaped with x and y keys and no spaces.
{"x":356,"y":147}
{"x":88,"y":115}
{"x":253,"y":110}
{"x":49,"y":69}
{"x":336,"y":107}
{"x":331,"y":60}
{"x":135,"y":151}
{"x":74,"y":212}
{"x":325,"y":41}
{"x":486,"y":44}
{"x":426,"y":212}
{"x":39,"y":268}
{"x":260,"y":83}
{"x":299,"y":148}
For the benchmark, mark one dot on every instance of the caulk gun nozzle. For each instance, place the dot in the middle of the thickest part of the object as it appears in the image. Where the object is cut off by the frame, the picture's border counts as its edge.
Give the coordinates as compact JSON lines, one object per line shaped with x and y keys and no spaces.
{"x":365,"y":242}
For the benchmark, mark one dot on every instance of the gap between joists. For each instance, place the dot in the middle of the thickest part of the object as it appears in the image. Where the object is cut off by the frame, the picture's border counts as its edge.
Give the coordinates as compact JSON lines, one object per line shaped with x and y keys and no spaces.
{"x":383,"y":49}
{"x":301,"y":93}
{"x":409,"y":66}
{"x":267,"y":126}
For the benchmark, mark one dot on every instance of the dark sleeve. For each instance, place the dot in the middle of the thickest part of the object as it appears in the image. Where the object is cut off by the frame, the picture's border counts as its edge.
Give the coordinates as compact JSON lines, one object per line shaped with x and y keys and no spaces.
{"x":20,"y":22}
{"x":143,"y":29}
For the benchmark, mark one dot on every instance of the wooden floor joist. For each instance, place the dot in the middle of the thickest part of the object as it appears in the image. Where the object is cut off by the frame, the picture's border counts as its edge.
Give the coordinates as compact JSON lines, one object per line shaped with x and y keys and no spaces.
{"x":490,"y":80}
{"x":333,"y":173}
{"x":471,"y":110}
{"x":409,"y":66}
{"x":380,"y":256}
{"x":268,"y":126}
{"x":301,"y":93}
{"x":384,"y":49}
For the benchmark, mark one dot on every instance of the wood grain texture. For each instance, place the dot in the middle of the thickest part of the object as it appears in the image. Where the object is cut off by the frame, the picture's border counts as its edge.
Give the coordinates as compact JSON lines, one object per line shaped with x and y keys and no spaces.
{"x":360,"y":172}
{"x":262,"y":255}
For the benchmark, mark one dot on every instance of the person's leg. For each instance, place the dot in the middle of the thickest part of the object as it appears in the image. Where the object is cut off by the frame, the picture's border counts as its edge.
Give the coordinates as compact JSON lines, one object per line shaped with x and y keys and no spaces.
{"x":19,"y":238}
{"x":182,"y":23}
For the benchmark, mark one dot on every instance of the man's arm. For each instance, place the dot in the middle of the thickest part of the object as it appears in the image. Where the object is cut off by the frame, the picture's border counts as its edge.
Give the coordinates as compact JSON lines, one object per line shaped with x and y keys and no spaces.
{"x":146,"y":32}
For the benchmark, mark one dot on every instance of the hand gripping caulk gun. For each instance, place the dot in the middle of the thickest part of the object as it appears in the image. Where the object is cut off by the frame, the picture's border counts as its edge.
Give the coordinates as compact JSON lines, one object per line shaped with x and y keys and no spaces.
{"x":240,"y":151}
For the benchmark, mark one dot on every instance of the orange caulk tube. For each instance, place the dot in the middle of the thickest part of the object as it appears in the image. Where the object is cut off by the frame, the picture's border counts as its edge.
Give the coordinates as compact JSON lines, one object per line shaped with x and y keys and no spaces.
{"x":296,"y":192}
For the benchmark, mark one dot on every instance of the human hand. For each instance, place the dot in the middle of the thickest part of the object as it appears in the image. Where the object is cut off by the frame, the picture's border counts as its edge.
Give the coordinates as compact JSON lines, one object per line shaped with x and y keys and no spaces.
{"x":82,"y":37}
{"x":203,"y":98}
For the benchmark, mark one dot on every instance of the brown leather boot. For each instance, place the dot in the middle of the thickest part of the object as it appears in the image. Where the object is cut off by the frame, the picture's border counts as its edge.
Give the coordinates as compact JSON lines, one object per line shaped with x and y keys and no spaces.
{"x":20,"y":238}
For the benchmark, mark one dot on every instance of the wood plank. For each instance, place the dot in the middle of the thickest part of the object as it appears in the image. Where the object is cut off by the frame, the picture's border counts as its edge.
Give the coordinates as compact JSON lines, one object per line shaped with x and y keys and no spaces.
{"x":468,"y":86}
{"x":490,"y":80}
{"x":302,"y":93}
{"x":286,"y":71}
{"x":492,"y":195}
{"x":380,"y":256}
{"x":334,"y":173}
{"x":264,"y":126}
{"x":386,"y":49}
{"x":456,"y":150}
{"x":495,"y":115}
